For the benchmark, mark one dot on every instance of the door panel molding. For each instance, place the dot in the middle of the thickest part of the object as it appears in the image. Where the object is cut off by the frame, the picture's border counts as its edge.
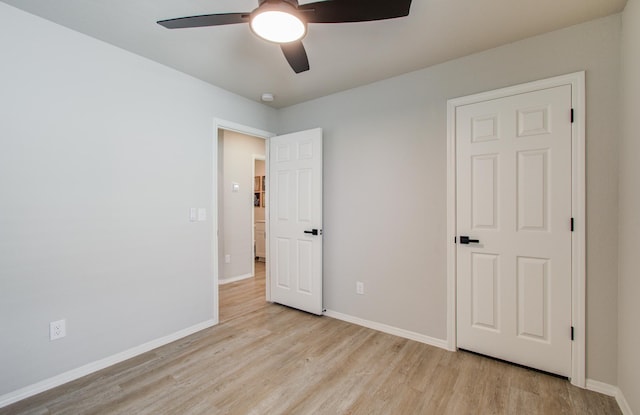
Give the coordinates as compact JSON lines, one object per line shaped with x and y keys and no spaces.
{"x":578,"y":202}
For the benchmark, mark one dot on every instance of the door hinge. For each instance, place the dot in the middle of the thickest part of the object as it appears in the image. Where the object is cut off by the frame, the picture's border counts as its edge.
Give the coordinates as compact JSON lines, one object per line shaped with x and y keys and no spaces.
{"x":572,"y":225}
{"x":455,"y":240}
{"x":571,"y":115}
{"x":571,"y":333}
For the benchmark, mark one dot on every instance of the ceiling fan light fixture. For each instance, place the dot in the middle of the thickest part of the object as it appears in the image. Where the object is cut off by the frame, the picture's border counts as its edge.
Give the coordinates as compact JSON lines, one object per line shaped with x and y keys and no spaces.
{"x":284,"y":22}
{"x":277,"y":23}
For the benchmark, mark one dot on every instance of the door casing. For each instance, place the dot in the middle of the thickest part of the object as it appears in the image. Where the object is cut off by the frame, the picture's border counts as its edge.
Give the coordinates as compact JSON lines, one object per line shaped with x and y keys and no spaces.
{"x":578,"y":209}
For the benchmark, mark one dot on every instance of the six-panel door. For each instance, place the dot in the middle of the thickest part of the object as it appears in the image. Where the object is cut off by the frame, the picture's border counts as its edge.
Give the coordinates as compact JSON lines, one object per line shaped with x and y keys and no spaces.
{"x":295,"y":210}
{"x":514,"y":197}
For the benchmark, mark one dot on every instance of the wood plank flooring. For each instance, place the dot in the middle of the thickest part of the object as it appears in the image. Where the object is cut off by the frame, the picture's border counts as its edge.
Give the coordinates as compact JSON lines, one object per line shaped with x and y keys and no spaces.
{"x":269,"y":359}
{"x":241,"y":297}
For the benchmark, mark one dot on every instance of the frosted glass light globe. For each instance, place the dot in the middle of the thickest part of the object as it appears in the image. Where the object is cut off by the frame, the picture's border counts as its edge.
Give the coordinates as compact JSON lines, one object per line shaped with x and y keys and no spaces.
{"x":278,"y":26}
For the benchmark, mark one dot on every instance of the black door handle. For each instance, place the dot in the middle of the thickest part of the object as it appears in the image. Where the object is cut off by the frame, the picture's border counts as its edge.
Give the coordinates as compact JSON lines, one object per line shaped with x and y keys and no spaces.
{"x":464,"y":240}
{"x":314,"y":232}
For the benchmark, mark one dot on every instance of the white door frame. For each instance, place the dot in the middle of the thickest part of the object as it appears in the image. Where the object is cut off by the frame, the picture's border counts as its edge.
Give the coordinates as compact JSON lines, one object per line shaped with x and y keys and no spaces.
{"x":219,"y":124}
{"x":578,"y":208}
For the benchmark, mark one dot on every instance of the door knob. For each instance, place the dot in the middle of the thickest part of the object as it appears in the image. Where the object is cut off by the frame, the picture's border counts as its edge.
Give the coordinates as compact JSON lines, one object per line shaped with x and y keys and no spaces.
{"x":464,"y":240}
{"x":314,"y":232}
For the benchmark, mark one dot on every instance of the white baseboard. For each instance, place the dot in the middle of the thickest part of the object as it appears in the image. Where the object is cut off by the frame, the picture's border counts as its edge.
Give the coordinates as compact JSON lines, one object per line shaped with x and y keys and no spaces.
{"x":601,"y":387}
{"x":92,"y":367}
{"x":388,"y":329}
{"x":234,"y":279}
{"x":610,"y":390}
{"x":623,"y":404}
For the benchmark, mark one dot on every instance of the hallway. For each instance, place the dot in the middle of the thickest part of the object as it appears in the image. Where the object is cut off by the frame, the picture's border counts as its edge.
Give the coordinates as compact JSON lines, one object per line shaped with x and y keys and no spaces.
{"x":242,"y":297}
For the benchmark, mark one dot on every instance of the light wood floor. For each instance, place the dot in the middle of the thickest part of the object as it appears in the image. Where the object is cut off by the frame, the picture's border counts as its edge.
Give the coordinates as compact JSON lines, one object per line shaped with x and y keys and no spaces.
{"x":239,"y":298}
{"x":269,"y":359}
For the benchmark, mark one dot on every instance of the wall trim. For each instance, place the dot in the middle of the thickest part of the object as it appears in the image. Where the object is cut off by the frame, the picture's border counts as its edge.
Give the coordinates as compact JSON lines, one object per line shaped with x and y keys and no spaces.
{"x":92,"y":367}
{"x":578,"y":210}
{"x":610,"y":390}
{"x":623,"y":404}
{"x":411,"y":335}
{"x":235,"y":279}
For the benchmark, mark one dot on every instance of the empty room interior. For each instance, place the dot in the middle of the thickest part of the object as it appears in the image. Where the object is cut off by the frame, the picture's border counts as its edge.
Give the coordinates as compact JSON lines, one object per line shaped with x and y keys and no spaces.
{"x":410,"y":207}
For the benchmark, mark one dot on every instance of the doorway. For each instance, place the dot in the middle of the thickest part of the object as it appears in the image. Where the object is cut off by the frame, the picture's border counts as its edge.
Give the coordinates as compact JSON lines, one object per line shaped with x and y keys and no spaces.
{"x":239,"y":285}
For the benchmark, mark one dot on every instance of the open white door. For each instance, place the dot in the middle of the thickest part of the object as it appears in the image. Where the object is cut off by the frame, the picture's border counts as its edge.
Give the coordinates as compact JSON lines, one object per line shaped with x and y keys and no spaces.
{"x":295,"y":220}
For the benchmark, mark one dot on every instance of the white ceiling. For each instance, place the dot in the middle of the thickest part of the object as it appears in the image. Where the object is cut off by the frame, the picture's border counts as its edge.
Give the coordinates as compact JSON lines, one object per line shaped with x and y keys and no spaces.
{"x":341,"y":56}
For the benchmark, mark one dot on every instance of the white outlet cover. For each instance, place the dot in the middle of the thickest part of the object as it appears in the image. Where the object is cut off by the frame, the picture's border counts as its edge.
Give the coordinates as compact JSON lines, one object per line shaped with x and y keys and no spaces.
{"x":57,"y":329}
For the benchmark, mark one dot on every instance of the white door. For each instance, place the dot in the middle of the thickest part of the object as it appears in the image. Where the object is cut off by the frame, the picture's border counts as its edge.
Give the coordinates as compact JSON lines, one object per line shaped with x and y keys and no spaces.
{"x":514,"y":205}
{"x":295,"y":220}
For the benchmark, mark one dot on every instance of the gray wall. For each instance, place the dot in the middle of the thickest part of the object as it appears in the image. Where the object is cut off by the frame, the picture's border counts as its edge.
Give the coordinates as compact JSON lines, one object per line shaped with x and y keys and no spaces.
{"x":238,"y":150}
{"x":629,"y":279}
{"x":102,"y":154}
{"x":385,"y":181}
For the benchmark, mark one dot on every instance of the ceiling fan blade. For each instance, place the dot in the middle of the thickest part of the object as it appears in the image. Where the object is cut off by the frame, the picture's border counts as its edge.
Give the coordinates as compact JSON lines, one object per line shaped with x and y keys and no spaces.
{"x":348,"y":11}
{"x":296,"y":56}
{"x":205,"y":20}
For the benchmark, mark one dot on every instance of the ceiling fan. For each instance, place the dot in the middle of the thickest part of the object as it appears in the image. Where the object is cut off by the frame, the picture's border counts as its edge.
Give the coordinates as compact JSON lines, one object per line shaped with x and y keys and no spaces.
{"x":285,"y":21}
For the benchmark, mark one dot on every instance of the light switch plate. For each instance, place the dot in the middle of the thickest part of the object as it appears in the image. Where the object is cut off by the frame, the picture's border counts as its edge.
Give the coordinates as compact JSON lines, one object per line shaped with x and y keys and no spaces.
{"x":235,"y":187}
{"x":202,"y":214}
{"x":193,"y":215}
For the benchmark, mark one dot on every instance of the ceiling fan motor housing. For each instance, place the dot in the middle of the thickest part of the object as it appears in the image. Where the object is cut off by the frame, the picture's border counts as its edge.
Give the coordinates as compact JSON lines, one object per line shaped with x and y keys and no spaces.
{"x":294,"y":3}
{"x":286,"y":6}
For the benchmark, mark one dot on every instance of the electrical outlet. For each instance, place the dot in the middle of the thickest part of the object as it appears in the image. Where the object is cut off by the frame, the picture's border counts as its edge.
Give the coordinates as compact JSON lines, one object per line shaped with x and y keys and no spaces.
{"x":57,"y":329}
{"x":227,"y":259}
{"x":359,"y":288}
